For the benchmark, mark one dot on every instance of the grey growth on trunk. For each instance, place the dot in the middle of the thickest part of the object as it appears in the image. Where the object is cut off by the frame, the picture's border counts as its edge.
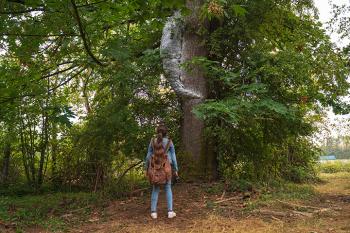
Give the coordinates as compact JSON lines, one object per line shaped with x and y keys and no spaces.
{"x":171,"y":53}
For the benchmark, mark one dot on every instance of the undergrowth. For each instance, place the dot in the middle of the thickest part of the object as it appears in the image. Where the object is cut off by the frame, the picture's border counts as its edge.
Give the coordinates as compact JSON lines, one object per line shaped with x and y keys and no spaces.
{"x":52,"y":211}
{"x":58,"y":210}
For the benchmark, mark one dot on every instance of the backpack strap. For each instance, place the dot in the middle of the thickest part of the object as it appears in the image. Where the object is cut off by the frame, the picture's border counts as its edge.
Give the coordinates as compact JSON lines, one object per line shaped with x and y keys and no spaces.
{"x":167,"y":146}
{"x":152,"y":143}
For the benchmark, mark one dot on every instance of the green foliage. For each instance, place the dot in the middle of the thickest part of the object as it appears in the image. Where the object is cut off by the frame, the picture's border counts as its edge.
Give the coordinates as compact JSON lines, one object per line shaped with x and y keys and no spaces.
{"x":270,"y":74}
{"x":104,"y":68}
{"x":241,"y":185}
{"x":215,"y":188}
{"x":122,"y":188}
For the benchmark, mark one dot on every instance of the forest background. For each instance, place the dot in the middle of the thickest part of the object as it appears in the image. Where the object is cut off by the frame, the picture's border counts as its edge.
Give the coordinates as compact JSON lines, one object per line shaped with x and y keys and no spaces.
{"x":83,"y":85}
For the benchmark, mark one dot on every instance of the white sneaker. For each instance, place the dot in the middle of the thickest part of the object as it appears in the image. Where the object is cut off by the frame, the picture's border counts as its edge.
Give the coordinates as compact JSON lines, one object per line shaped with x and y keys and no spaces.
{"x":154,"y":215}
{"x":171,"y":214}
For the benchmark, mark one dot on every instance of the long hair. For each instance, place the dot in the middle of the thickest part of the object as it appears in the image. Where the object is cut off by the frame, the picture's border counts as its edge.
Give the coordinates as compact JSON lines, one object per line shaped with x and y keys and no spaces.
{"x":162,"y":131}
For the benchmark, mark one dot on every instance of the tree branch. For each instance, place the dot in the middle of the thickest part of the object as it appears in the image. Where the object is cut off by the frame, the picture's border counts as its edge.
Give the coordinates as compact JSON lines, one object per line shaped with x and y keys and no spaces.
{"x":67,"y":80}
{"x":58,"y":72}
{"x":83,"y":35}
{"x":38,"y":35}
{"x":43,"y":9}
{"x":11,"y":98}
{"x":17,"y":1}
{"x":56,"y":66}
{"x":22,"y":11}
{"x":127,"y":170}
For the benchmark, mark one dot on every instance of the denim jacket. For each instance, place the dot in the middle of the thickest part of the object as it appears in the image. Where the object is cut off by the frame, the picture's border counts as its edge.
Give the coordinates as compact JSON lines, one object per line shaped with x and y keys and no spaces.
{"x":171,"y":154}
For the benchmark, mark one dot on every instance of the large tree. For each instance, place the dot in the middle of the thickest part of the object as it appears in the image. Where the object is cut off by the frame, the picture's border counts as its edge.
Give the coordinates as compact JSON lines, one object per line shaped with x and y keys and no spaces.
{"x":249,"y":77}
{"x":231,"y":61}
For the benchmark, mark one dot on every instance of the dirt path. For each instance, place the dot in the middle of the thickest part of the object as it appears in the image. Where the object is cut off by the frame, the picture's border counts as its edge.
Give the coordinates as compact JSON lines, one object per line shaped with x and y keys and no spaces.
{"x":199,"y":211}
{"x":132,"y":215}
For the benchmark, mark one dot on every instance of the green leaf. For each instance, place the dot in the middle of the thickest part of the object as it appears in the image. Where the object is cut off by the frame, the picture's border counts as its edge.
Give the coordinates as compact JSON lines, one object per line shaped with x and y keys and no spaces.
{"x":238,"y":10}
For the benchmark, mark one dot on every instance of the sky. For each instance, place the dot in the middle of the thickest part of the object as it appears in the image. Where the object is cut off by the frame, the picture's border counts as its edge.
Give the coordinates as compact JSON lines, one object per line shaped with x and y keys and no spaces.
{"x":325,"y":10}
{"x":324,"y":7}
{"x":337,"y":123}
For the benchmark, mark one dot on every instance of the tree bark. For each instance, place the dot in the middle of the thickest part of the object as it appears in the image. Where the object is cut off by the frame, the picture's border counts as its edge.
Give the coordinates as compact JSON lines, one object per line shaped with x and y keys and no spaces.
{"x":193,"y":46}
{"x":194,"y":141}
{"x":181,"y":42}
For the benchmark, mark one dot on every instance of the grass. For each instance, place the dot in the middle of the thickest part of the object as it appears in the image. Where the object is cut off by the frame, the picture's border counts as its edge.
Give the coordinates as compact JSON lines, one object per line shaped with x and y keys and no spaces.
{"x":284,"y":192}
{"x":335,"y":218}
{"x":59,"y":211}
{"x":51,"y":211}
{"x":289,"y":191}
{"x":267,"y":193}
{"x":338,"y":183}
{"x":54,"y":211}
{"x":334,"y":167}
{"x":227,"y":217}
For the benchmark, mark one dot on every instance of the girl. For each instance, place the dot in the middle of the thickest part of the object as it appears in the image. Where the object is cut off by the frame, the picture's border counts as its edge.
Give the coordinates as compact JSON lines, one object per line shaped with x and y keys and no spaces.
{"x":162,"y":138}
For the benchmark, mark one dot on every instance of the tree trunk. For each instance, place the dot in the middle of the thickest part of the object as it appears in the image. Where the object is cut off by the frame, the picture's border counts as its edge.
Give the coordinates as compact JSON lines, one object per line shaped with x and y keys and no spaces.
{"x":85,"y":91}
{"x":24,"y":156}
{"x":6,"y":162}
{"x":44,"y":140}
{"x":192,"y":129}
{"x":54,"y":154}
{"x":180,"y":43}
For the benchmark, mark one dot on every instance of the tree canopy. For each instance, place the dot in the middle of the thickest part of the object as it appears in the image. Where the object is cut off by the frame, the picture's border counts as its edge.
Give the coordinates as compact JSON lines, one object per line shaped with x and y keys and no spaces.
{"x":82,"y":87}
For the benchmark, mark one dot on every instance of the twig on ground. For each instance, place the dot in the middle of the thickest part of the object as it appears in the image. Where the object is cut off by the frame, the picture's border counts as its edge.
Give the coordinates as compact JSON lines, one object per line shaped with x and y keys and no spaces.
{"x":272,"y":213}
{"x":277,"y":219}
{"x":83,"y":208}
{"x":306,"y":214}
{"x":292,"y":205}
{"x":227,"y":199}
{"x":223,"y":194}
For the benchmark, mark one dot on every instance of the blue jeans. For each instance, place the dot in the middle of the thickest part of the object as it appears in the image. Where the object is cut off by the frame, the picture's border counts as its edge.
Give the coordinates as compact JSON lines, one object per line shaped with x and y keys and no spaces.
{"x":168,"y":193}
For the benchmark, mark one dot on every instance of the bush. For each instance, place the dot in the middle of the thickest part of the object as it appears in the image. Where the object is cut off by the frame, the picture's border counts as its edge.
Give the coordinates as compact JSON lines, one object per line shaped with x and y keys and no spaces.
{"x":300,"y":174}
{"x":241,"y":185}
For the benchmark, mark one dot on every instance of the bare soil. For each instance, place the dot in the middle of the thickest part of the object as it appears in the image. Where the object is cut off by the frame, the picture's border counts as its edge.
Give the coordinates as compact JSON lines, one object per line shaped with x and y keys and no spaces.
{"x":198,"y":211}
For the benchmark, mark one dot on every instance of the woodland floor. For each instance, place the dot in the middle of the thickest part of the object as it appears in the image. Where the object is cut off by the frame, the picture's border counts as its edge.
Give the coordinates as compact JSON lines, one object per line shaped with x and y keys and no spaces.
{"x":198,"y":210}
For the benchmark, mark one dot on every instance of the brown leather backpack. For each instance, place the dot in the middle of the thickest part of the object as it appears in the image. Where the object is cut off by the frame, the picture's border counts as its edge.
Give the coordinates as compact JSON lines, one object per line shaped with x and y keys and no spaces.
{"x":159,"y":170}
